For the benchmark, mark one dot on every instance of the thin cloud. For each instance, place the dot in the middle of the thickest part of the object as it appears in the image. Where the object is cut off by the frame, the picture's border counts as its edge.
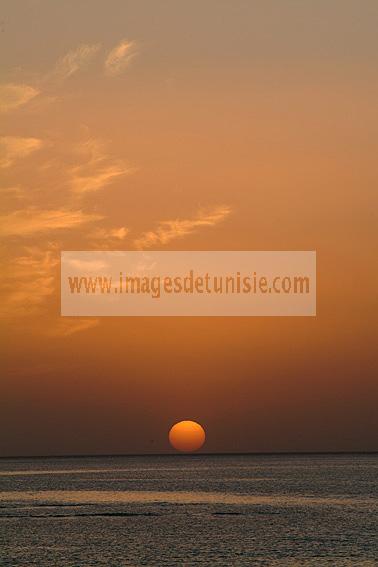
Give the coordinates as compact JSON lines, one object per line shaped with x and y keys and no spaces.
{"x":68,"y":327}
{"x":12,"y":96}
{"x":167,"y":231}
{"x":28,"y":281}
{"x":99,"y":179}
{"x":13,"y":148}
{"x":120,"y":57}
{"x":108,"y":237}
{"x":87,"y":265}
{"x":33,"y":221}
{"x":98,"y":169}
{"x":14,"y":191}
{"x":73,"y":61}
{"x":27,"y":285}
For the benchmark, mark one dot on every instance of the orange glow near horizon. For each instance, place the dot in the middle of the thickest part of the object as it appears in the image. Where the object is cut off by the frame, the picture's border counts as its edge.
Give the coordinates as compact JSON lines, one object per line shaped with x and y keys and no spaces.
{"x":187,"y":436}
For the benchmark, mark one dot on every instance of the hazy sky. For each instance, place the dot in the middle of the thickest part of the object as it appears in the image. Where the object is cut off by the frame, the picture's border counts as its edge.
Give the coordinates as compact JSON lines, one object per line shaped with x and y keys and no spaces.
{"x":123,"y":119}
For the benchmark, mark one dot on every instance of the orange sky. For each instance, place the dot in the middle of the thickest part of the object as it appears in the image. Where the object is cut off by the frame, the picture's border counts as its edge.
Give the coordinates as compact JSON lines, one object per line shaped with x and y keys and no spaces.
{"x":127,"y":124}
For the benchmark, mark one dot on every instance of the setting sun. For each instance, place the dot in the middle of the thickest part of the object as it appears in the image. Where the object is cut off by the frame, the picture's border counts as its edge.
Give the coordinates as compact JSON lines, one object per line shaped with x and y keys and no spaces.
{"x":187,"y":436}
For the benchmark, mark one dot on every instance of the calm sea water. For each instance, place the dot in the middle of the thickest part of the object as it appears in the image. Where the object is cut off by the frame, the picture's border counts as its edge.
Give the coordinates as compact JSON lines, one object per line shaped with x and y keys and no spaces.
{"x":189,"y":510}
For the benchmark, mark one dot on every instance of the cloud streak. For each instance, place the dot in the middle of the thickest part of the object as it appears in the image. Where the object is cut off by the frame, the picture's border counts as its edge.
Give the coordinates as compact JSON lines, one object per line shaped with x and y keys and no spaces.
{"x":108,"y":237}
{"x":73,"y":61}
{"x":68,"y":327}
{"x":100,"y":178}
{"x":98,"y":169}
{"x":169,"y":230}
{"x":13,"y":148}
{"x":13,"y":95}
{"x":31,"y":221}
{"x":120,"y":57}
{"x":28,"y":281}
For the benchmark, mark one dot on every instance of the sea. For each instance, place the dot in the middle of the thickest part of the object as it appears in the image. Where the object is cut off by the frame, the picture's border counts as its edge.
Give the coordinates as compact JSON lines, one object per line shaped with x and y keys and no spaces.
{"x":189,"y":510}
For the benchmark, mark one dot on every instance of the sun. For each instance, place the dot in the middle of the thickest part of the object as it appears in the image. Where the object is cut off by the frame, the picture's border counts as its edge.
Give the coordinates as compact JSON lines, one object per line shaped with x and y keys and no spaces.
{"x":187,"y":436}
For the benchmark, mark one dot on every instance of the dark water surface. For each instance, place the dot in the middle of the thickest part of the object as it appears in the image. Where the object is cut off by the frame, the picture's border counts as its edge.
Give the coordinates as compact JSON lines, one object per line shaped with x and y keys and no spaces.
{"x":189,"y":510}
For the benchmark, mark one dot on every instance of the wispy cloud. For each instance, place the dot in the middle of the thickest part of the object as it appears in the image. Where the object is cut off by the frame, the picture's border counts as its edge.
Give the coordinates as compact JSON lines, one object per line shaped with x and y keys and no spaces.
{"x":98,"y":169}
{"x":14,"y":147}
{"x":33,"y":221}
{"x":13,"y":95}
{"x":73,"y":61}
{"x":68,"y":327}
{"x":87,"y":266}
{"x":108,"y":237}
{"x":97,"y":180}
{"x":119,"y":58}
{"x":13,"y":191}
{"x":169,"y":230}
{"x":28,"y":281}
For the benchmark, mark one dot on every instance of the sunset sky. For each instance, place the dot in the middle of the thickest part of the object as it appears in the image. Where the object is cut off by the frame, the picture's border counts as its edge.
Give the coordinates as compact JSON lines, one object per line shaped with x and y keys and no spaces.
{"x":212,"y":125}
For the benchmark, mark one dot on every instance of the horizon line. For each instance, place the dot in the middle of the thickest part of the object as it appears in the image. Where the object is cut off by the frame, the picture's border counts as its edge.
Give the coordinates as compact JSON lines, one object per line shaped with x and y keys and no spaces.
{"x":194,"y":454}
